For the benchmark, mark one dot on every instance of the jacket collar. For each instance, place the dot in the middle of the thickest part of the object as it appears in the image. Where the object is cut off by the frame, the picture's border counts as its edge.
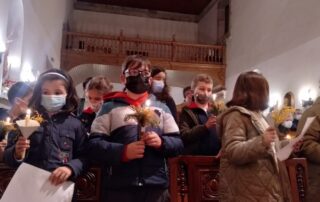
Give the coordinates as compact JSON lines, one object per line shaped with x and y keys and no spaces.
{"x":123,"y":96}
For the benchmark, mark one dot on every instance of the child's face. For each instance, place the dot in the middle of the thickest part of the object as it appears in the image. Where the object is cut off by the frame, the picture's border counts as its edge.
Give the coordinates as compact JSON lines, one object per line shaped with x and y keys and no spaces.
{"x":203,"y":88}
{"x":94,"y":96}
{"x":54,"y":87}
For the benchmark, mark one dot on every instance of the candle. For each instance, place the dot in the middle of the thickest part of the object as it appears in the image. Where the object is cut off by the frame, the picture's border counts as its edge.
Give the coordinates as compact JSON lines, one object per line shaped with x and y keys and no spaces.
{"x":148,"y":103}
{"x":27,"y":118}
{"x":214,"y":96}
{"x":288,"y":137}
{"x":7,"y":123}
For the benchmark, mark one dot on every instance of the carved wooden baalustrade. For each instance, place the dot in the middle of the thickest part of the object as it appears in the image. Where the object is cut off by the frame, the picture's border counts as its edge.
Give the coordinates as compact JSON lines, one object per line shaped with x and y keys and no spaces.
{"x":192,"y":179}
{"x":196,"y":178}
{"x":84,"y":48}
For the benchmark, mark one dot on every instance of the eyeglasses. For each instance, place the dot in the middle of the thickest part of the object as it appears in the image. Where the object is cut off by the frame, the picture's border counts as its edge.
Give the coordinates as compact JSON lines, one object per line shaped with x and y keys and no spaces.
{"x":136,"y":72}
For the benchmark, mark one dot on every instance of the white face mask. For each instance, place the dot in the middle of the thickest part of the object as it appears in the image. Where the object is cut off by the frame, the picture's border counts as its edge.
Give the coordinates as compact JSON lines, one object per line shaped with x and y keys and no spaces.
{"x":53,"y":103}
{"x":157,"y":86}
{"x":298,"y":116}
{"x":287,"y":124}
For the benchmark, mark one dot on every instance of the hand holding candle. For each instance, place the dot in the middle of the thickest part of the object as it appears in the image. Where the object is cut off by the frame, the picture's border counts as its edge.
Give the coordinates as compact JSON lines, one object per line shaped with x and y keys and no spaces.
{"x":269,"y":136}
{"x":21,"y":146}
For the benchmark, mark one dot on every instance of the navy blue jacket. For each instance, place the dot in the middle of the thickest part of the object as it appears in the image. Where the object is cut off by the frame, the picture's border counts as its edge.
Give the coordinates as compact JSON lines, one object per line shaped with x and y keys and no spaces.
{"x":197,"y":138}
{"x":110,"y":133}
{"x":59,"y":141}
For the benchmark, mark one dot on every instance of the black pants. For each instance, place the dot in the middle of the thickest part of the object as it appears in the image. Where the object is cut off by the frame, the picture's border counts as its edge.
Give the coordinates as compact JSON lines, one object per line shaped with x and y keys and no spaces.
{"x":137,"y":194}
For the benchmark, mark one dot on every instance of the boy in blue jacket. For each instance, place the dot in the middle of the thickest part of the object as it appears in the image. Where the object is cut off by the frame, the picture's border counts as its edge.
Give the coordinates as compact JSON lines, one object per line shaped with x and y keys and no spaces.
{"x":137,"y":169}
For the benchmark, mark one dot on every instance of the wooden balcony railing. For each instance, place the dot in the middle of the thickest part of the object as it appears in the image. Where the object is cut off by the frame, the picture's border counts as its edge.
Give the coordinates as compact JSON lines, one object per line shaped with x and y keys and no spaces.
{"x":120,"y":46}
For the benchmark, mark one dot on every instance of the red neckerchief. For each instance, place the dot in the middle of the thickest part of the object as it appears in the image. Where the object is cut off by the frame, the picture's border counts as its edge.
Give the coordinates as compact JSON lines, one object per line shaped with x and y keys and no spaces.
{"x":124,"y":96}
{"x":193,"y":105}
{"x":89,"y":110}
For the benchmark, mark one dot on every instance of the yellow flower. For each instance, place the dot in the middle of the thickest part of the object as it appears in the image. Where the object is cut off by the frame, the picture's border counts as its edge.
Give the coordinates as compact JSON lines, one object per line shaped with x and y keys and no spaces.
{"x":279,"y":116}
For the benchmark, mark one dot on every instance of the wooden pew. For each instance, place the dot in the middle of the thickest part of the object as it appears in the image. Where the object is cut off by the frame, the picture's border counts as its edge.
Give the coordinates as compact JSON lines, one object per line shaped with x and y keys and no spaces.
{"x":192,"y":179}
{"x":196,"y":178}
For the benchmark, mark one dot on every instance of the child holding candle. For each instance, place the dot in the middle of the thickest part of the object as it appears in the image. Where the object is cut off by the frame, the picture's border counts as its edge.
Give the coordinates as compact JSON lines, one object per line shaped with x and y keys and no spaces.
{"x":137,"y":166}
{"x":58,"y":144}
{"x":249,"y":169}
{"x":197,"y":124}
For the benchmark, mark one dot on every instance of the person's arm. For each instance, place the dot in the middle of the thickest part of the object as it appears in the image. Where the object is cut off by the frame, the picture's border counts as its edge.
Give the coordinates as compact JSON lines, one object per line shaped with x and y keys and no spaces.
{"x":172,"y":107}
{"x":172,"y":144}
{"x":237,"y":148}
{"x":80,"y":160}
{"x":189,"y":131}
{"x":9,"y":152}
{"x":311,"y":145}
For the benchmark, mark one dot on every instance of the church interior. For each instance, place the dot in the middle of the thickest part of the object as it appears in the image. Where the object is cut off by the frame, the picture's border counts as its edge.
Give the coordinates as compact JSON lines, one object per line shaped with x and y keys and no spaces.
{"x":220,"y":38}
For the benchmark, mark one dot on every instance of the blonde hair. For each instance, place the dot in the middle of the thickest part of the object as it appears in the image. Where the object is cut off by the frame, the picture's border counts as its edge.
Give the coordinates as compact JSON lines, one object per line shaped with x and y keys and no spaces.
{"x":201,"y":78}
{"x":100,"y":83}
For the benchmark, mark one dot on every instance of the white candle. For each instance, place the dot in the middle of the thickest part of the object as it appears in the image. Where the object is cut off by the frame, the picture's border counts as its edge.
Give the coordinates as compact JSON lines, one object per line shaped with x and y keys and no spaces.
{"x":27,"y":118}
{"x":8,"y":121}
{"x":148,"y":103}
{"x":214,"y":96}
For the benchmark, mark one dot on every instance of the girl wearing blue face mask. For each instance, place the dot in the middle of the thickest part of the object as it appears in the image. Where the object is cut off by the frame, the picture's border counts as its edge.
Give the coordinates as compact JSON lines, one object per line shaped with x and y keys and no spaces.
{"x":58,"y":145}
{"x":160,"y":89}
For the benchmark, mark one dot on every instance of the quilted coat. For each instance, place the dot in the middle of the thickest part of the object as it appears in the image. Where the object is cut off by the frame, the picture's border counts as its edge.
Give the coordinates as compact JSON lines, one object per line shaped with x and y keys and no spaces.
{"x":248,"y":170}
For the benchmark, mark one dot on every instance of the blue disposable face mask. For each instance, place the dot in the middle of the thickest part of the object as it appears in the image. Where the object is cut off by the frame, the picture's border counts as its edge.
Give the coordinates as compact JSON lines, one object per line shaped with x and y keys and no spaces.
{"x":157,"y":86}
{"x":53,"y":103}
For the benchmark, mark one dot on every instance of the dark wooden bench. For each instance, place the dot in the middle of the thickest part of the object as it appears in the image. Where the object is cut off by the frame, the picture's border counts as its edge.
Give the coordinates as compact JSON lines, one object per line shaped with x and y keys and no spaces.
{"x":196,"y":178}
{"x":192,"y":179}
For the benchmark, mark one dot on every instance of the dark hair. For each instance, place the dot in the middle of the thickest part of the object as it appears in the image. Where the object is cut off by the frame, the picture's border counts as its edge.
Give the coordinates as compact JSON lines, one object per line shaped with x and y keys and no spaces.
{"x":100,"y":83}
{"x":164,"y":95}
{"x":135,"y":61}
{"x":185,"y":89}
{"x":51,"y":75}
{"x":18,"y":90}
{"x":84,"y":84}
{"x":251,"y":91}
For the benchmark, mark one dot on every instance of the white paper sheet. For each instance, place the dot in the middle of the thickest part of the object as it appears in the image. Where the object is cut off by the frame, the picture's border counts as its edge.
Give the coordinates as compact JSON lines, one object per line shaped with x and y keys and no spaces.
{"x":31,"y":184}
{"x":284,"y":153}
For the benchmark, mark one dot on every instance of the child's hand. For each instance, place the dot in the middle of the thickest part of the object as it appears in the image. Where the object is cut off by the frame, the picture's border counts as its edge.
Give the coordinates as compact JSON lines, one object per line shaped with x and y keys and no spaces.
{"x":21,"y":146}
{"x":135,"y":150}
{"x":60,"y":175}
{"x":3,"y":145}
{"x":152,"y":139}
{"x":297,"y":146}
{"x":212,"y":121}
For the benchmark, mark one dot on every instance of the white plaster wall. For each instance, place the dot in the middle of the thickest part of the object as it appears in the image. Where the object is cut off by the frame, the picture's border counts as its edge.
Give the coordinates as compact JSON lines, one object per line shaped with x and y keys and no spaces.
{"x":281,"y":38}
{"x":151,"y":28}
{"x":43,"y":32}
{"x":208,"y":25}
{"x":4,"y":4}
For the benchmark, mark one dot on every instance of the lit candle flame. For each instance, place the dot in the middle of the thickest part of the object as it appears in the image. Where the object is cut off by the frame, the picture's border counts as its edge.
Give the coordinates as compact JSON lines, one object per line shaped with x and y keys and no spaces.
{"x":214,"y":96}
{"x":8,"y":121}
{"x":288,"y":137}
{"x":148,"y":103}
